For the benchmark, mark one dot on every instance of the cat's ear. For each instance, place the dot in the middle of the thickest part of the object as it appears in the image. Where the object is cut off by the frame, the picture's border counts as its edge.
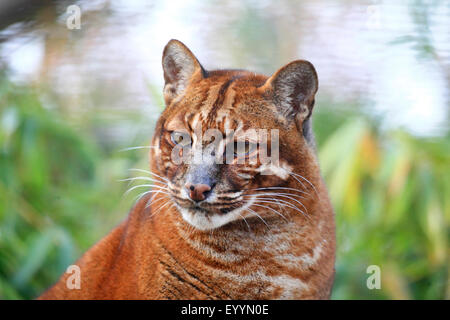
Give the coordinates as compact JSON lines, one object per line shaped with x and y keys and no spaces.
{"x":180,"y":67}
{"x":292,"y":89}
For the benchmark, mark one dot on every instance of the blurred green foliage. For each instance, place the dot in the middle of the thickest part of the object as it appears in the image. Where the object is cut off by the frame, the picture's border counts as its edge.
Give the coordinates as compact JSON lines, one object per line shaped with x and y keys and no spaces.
{"x":59,"y":194}
{"x":391,"y":194}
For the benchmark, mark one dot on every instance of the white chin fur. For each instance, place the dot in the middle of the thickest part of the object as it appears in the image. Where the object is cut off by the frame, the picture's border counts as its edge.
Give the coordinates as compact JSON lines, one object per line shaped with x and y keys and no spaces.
{"x":205,"y":222}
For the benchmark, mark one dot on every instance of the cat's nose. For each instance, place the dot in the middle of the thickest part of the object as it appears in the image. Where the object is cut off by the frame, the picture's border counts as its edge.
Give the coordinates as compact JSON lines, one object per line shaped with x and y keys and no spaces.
{"x":197,"y":192}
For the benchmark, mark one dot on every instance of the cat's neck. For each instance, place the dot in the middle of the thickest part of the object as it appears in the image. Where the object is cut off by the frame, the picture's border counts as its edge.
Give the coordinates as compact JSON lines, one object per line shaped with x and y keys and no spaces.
{"x":232,"y":243}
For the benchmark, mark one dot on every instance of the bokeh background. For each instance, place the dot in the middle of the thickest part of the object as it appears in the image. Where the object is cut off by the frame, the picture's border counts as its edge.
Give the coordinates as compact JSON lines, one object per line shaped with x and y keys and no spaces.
{"x":73,"y":103}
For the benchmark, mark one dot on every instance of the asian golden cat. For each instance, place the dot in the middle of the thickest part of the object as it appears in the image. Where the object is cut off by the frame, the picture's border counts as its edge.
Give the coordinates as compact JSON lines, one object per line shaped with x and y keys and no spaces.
{"x":211,"y":230}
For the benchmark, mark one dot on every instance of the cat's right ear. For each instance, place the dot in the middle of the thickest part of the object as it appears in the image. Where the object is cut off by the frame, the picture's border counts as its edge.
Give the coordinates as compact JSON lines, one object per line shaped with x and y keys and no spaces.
{"x":180,"y":67}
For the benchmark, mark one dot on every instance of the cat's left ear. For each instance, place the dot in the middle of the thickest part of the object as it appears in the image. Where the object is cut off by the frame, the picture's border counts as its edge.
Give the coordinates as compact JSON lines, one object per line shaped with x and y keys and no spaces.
{"x":180,"y":67}
{"x":292,"y":89}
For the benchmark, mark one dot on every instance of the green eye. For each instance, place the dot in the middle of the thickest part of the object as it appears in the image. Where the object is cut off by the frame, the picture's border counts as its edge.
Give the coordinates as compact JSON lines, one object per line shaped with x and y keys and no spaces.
{"x":242,"y":149}
{"x":180,"y":138}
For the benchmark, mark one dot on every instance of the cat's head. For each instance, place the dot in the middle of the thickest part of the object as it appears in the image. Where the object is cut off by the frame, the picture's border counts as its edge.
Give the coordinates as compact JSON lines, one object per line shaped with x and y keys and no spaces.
{"x":229,"y":139}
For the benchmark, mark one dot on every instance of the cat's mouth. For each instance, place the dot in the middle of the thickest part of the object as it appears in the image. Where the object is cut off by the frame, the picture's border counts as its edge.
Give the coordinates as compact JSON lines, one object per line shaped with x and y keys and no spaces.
{"x":210,"y":215}
{"x":208,"y":208}
{"x":213,"y":211}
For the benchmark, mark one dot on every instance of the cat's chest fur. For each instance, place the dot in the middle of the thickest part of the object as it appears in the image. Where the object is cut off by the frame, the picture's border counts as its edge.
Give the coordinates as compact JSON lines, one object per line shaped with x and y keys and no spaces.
{"x":264,"y":263}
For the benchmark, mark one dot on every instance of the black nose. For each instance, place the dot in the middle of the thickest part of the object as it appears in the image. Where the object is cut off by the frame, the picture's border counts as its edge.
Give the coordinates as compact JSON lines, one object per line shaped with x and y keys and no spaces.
{"x":197,"y":192}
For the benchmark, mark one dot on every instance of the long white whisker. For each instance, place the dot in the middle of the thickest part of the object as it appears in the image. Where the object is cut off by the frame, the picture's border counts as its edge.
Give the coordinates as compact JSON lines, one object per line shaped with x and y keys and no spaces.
{"x":263,"y":206}
{"x":154,"y":193}
{"x":148,"y":172}
{"x":281,"y":195}
{"x":143,"y":194}
{"x":297,"y":180}
{"x":286,"y":204}
{"x":159,"y":209}
{"x":281,"y":188}
{"x":145,"y":185}
{"x":283,"y":203}
{"x":248,"y":226}
{"x":309,"y":182}
{"x":152,"y":201}
{"x":143,"y":178}
{"x":138,"y":147}
{"x":256,"y":214}
{"x":275,"y":193}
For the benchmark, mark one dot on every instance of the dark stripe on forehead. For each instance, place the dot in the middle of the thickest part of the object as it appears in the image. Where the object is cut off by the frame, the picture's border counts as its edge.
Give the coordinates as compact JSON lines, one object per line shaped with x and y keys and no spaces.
{"x":219,"y":101}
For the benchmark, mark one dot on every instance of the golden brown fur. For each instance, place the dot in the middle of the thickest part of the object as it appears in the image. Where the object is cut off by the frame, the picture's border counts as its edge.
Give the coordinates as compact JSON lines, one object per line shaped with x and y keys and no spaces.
{"x":159,"y":255}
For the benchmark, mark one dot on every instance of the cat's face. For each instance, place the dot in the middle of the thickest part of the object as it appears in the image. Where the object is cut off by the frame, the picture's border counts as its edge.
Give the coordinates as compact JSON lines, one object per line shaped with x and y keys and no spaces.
{"x":226,"y":137}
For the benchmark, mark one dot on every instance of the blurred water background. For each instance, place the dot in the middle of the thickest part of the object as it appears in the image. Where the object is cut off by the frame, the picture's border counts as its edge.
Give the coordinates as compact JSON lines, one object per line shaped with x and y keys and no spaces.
{"x":71,"y":100}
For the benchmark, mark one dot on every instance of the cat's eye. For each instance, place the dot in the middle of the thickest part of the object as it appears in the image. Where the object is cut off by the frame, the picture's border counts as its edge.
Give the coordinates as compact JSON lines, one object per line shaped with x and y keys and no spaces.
{"x":180,"y":138}
{"x":244,"y":148}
